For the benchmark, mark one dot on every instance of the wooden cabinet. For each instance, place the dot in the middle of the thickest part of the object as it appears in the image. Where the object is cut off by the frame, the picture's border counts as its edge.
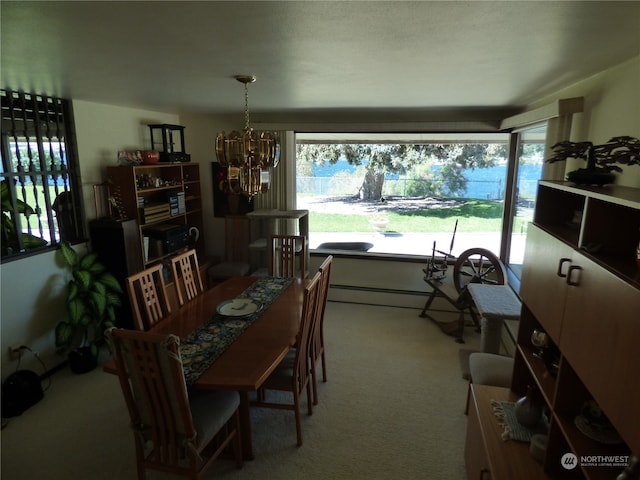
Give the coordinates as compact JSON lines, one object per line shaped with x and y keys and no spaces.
{"x":580,"y":284}
{"x":487,"y":455}
{"x":165,"y":200}
{"x":118,"y":246}
{"x":265,"y":223}
{"x":600,"y":335}
{"x":545,"y":266}
{"x":475,"y":447}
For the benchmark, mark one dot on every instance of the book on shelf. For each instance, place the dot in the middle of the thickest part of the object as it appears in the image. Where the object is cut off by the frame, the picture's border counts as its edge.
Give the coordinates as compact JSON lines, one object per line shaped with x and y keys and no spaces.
{"x":181,"y":203}
{"x":155,"y":212}
{"x":156,"y":217}
{"x":177,"y":203}
{"x":173,"y":204}
{"x":156,"y":208}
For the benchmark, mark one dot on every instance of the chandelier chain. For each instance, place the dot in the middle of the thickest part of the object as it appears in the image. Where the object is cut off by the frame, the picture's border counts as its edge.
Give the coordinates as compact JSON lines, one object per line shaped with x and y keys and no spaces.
{"x":246,"y":106}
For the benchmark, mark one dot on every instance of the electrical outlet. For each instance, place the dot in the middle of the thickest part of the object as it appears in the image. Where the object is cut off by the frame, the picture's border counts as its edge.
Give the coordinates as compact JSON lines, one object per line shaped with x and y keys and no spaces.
{"x":15,"y":351}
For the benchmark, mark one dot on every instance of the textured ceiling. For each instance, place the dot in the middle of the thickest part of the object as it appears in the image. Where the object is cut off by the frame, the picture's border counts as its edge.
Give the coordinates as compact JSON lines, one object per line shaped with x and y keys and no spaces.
{"x":312,"y":55}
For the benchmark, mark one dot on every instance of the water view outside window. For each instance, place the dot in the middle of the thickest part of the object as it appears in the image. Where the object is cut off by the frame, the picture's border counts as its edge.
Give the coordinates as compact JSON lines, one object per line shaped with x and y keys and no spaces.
{"x":529,"y":170}
{"x":399,"y":197}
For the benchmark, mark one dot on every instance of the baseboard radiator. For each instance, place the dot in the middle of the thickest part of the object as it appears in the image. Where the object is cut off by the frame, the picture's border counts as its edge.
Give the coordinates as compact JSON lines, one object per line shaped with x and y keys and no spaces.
{"x":386,"y":297}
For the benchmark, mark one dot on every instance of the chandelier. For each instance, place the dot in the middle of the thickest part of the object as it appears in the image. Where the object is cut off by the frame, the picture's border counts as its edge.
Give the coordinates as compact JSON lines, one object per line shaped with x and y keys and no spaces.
{"x":249,"y":156}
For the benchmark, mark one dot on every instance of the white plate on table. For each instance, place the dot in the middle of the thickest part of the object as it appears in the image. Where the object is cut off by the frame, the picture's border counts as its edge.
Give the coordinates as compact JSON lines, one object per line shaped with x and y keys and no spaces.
{"x":239,"y":307}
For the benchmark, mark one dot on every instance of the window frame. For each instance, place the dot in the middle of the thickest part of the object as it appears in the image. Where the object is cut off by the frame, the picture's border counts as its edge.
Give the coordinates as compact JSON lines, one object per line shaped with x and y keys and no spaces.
{"x":517,"y":141}
{"x":39,"y":147}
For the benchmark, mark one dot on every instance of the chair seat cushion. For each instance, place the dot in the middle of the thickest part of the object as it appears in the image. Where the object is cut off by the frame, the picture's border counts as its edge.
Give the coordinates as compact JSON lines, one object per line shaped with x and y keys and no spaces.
{"x":490,"y":369}
{"x":210,"y":411}
{"x":225,"y":270}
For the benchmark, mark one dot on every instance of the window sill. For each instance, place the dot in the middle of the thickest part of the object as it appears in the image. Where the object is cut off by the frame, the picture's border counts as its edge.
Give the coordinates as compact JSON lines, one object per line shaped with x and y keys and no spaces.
{"x":389,"y":257}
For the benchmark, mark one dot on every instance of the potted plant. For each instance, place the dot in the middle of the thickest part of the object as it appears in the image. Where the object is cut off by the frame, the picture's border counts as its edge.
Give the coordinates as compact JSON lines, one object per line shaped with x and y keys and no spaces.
{"x":93,"y":295}
{"x":601,"y":159}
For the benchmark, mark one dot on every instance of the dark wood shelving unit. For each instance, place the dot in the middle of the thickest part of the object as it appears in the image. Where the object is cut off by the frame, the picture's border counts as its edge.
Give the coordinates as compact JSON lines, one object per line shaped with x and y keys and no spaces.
{"x":172,"y":178}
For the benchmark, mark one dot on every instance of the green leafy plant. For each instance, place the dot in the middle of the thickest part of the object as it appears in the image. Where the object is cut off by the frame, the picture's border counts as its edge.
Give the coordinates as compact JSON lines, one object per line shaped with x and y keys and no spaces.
{"x":93,"y":295}
{"x":10,"y":237}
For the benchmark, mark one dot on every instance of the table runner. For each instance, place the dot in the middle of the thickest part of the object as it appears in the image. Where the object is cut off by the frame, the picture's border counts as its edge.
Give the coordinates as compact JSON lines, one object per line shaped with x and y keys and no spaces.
{"x":203,"y":346}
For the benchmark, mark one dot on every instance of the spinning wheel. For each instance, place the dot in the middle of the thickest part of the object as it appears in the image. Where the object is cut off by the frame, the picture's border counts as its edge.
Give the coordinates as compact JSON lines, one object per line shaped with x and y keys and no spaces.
{"x":477,"y":265}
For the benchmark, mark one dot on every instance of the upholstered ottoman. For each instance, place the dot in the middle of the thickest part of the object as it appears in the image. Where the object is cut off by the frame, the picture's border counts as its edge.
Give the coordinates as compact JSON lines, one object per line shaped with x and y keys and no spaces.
{"x":489,"y":369}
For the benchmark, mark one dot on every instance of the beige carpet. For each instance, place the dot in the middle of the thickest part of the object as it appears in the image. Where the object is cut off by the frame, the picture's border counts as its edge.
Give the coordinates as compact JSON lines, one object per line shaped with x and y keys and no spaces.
{"x":392,"y":408}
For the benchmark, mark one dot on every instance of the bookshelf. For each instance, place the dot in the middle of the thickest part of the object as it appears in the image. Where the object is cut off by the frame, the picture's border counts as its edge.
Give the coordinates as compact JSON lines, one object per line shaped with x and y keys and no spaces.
{"x":165,"y":201}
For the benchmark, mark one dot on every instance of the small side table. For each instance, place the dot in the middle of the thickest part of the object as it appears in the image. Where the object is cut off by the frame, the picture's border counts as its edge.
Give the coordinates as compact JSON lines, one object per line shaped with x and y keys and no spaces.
{"x":494,"y":303}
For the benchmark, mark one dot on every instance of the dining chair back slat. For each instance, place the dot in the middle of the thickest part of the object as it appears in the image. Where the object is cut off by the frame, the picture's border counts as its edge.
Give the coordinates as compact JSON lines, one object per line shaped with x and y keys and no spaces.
{"x":186,"y":276}
{"x":148,"y":297}
{"x":285,"y":250}
{"x":170,"y":431}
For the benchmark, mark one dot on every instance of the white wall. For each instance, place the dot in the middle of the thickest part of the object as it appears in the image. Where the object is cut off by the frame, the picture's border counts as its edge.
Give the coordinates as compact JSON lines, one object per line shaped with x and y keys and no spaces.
{"x":33,"y":302}
{"x":101,"y":131}
{"x":200,"y":137}
{"x":612,"y":109}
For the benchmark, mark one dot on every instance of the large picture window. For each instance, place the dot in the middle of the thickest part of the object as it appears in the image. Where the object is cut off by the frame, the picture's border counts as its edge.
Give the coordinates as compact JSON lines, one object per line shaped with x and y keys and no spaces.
{"x":39,"y":178}
{"x":403,"y":194}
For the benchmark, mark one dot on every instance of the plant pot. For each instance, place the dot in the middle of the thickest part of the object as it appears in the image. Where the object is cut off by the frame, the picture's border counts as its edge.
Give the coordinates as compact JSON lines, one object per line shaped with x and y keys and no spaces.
{"x":584,"y":176}
{"x":81,"y":360}
{"x":379,"y":225}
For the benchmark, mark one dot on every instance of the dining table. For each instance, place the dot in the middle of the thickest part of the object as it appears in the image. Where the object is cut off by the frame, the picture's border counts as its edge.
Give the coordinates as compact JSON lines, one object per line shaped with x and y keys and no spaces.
{"x":248,"y":360}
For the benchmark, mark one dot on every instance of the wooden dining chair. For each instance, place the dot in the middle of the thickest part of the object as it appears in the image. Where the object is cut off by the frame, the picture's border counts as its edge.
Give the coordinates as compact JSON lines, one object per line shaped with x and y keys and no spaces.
{"x":148,"y":296}
{"x":292,"y":374}
{"x":316,"y":350}
{"x":186,"y":276}
{"x":173,"y":430}
{"x":284,"y":251}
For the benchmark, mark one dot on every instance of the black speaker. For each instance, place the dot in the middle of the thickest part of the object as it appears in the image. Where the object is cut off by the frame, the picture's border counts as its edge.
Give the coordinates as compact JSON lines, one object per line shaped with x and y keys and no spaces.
{"x":21,"y":390}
